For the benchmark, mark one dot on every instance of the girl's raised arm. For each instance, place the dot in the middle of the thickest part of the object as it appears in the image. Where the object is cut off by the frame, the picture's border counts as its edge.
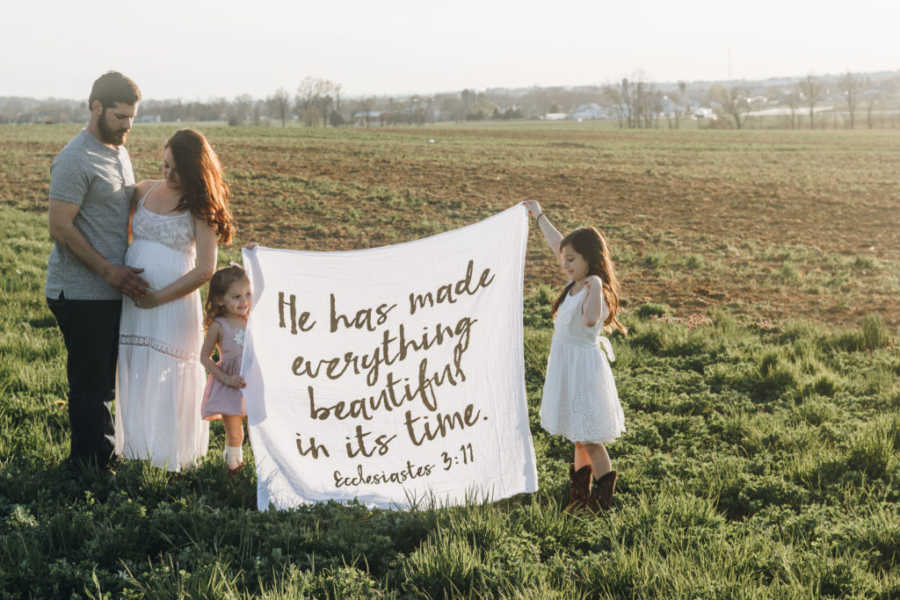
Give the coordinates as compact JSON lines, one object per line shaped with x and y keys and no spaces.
{"x":550,"y":232}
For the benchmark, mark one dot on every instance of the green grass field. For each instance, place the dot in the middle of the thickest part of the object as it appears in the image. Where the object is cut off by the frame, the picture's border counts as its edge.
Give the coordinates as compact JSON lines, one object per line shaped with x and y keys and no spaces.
{"x":761,"y":458}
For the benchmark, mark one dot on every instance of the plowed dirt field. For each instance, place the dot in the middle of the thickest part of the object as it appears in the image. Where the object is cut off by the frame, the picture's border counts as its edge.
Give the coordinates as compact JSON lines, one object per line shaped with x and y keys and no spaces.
{"x":768,"y":225}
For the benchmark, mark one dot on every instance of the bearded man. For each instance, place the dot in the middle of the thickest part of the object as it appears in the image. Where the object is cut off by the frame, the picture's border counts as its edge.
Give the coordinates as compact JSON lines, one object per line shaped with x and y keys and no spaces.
{"x":91,"y":188}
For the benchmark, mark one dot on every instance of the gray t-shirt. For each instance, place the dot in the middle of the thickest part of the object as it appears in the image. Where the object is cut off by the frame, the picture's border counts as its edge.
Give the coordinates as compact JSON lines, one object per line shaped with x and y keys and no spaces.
{"x":100,"y":181}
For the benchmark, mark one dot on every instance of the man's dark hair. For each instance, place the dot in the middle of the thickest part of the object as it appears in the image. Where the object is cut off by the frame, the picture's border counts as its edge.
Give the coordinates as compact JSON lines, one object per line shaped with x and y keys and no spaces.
{"x":113,"y":87}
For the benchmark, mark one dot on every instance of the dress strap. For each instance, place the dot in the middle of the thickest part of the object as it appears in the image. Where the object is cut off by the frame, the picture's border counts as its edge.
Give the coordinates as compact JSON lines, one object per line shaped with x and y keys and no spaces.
{"x":149,"y":192}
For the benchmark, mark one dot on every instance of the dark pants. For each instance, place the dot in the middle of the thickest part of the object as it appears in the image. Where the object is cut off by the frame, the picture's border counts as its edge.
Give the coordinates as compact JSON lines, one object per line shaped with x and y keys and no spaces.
{"x":90,"y":329}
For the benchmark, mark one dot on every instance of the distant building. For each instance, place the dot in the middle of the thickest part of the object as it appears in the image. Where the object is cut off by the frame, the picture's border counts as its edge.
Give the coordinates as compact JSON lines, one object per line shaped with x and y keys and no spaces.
{"x":367,"y":117}
{"x":555,"y":116}
{"x":588,"y":112}
{"x":670,"y":108}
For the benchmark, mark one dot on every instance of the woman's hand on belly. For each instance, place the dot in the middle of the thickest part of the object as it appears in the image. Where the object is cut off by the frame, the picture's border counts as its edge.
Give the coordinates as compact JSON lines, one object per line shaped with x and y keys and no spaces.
{"x":148,"y":300}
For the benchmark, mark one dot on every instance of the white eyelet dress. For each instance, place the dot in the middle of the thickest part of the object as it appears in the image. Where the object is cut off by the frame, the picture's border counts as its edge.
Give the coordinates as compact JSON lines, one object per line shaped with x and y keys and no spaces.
{"x":160,"y":378}
{"x":580,"y":400}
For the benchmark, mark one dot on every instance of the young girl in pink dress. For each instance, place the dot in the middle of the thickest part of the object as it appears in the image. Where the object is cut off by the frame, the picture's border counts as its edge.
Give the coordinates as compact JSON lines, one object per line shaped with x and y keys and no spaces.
{"x":580,"y":400}
{"x":227,"y":308}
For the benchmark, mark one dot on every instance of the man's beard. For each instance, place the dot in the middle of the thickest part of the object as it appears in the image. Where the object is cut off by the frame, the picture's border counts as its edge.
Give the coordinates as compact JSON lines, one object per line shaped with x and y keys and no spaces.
{"x":110,"y":136}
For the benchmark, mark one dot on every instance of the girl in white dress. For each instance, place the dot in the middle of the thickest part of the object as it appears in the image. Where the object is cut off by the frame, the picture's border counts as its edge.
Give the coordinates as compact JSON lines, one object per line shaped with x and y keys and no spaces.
{"x":175,"y":227}
{"x":579,"y":399}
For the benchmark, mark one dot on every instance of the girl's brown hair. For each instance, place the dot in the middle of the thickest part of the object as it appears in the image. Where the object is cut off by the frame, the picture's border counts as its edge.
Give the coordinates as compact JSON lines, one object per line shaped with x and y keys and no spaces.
{"x":591,"y":245}
{"x":218,"y":287}
{"x":203,"y":187}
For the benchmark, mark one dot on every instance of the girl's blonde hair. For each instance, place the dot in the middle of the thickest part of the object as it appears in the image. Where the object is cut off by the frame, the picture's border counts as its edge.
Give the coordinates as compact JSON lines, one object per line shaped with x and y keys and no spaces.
{"x":218,"y":287}
{"x":592,"y":246}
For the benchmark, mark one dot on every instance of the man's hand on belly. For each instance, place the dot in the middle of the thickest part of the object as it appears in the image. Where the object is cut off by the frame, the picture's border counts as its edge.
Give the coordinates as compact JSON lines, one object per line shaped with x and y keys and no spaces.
{"x":126,"y":280}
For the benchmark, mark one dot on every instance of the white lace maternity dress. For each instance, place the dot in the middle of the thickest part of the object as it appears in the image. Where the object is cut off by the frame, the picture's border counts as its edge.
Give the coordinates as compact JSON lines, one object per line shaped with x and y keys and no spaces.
{"x":160,"y":378}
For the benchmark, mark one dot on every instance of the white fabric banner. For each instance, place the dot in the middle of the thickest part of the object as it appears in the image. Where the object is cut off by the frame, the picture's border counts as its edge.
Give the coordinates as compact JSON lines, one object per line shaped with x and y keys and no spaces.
{"x":393,"y":375}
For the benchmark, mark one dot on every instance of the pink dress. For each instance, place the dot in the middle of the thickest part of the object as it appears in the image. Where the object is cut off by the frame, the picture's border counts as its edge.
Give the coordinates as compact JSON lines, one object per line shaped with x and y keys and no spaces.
{"x":218,"y":398}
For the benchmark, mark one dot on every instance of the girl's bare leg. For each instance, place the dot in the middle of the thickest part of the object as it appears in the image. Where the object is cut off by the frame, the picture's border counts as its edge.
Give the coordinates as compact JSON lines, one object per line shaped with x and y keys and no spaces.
{"x":598,"y":459}
{"x":234,"y":439}
{"x":582,"y":457}
{"x":234,"y":430}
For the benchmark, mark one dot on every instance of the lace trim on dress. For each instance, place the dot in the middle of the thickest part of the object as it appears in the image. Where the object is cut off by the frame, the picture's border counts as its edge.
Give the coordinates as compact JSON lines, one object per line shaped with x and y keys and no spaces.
{"x":158,"y":345}
{"x":173,"y":230}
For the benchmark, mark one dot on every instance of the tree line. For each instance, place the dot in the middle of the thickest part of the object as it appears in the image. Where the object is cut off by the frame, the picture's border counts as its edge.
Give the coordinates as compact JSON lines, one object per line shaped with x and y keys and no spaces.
{"x":850,"y":100}
{"x":851,"y":95}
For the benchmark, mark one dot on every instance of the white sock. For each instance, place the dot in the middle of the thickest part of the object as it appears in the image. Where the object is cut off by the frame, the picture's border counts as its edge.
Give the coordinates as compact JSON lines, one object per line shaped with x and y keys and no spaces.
{"x":234,"y":456}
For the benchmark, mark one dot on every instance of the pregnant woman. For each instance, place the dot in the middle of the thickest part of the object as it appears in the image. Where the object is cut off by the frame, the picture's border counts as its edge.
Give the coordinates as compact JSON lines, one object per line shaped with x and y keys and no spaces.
{"x":176,"y":224}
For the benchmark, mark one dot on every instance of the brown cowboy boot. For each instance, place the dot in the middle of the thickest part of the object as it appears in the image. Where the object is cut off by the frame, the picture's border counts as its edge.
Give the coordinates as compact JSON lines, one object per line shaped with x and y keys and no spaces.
{"x":579,"y":487}
{"x":602,"y":492}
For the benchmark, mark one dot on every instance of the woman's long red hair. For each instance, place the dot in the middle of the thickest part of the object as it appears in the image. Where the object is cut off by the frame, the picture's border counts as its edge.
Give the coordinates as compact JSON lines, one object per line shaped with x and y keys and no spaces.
{"x":203,"y":188}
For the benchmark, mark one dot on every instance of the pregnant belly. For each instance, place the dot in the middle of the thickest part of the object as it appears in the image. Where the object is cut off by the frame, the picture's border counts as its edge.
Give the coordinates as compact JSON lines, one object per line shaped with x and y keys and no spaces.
{"x":161,"y":264}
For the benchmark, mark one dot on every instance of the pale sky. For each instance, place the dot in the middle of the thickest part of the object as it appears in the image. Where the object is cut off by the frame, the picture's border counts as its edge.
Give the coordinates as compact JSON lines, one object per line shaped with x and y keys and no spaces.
{"x":196,"y":50}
